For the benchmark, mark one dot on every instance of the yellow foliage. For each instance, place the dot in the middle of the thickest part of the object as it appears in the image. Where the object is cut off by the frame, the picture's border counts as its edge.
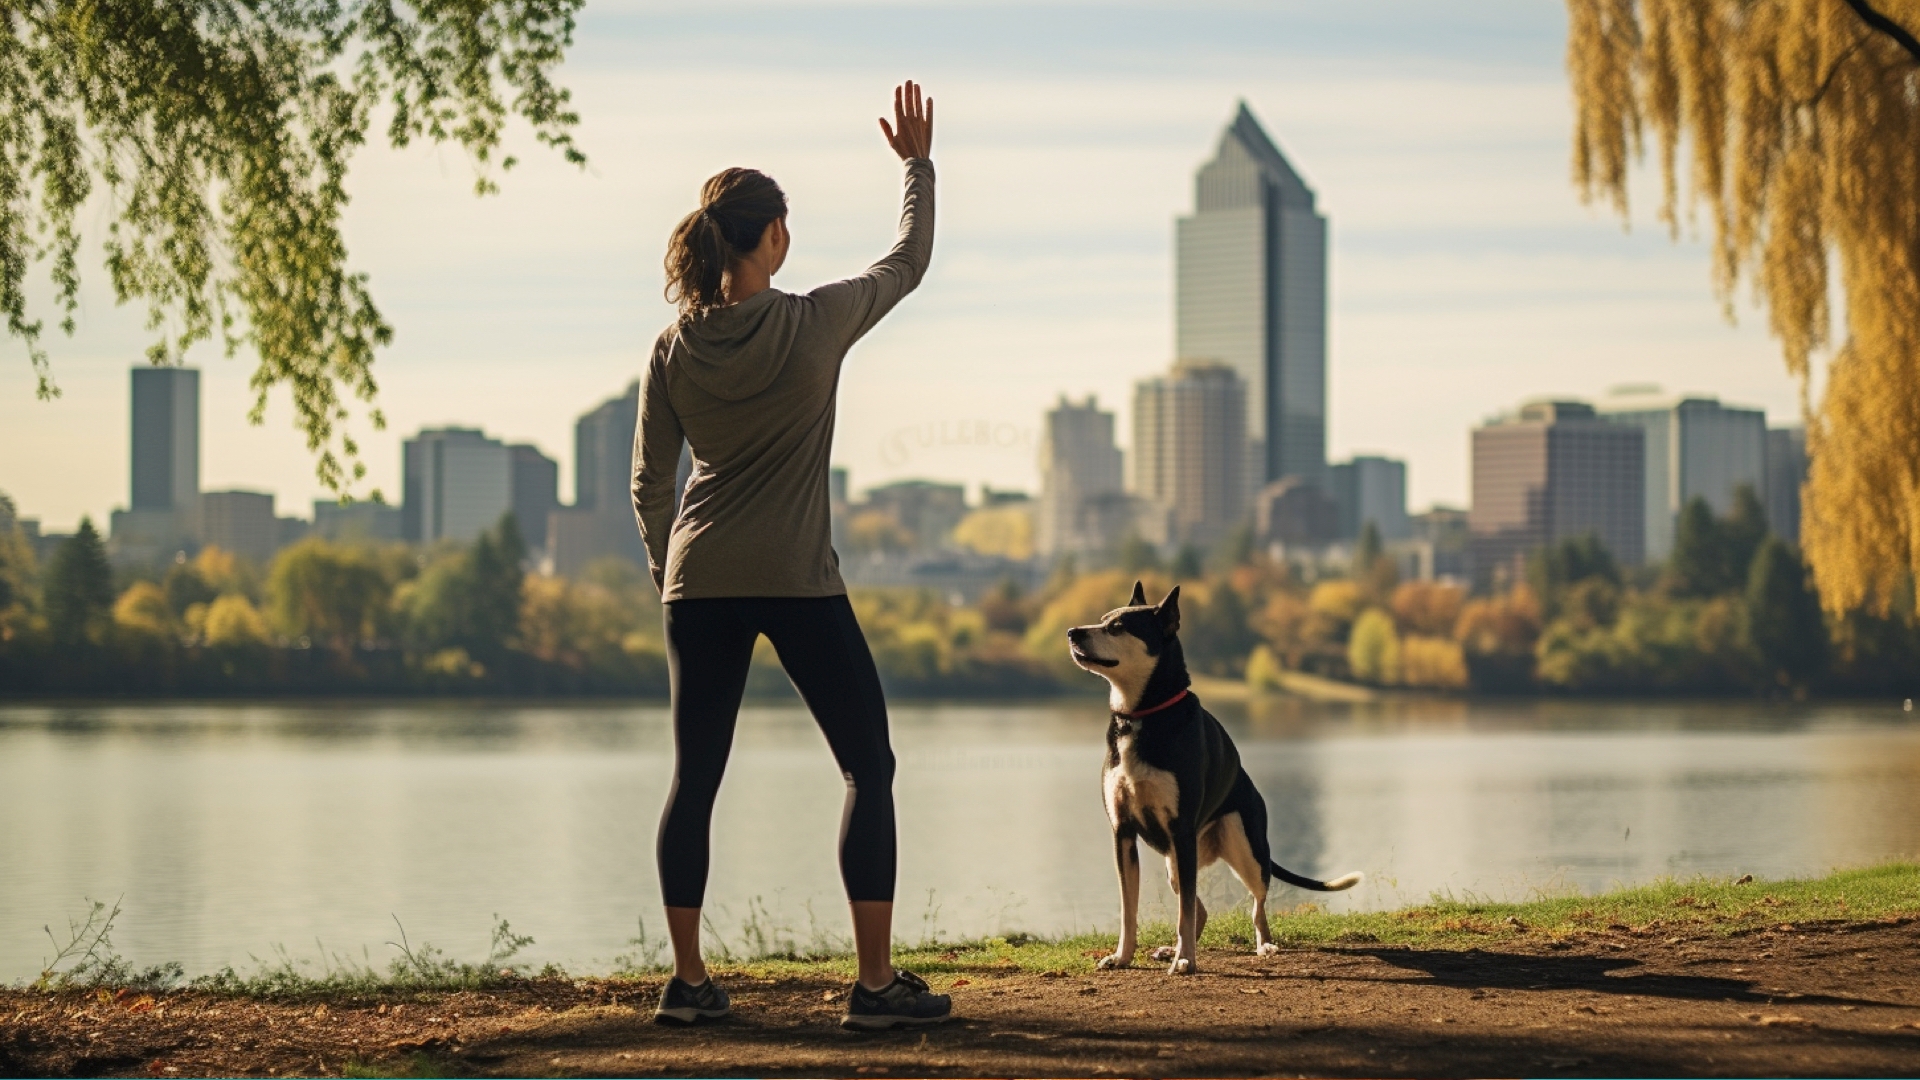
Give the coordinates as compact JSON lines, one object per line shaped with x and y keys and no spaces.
{"x":143,"y":609}
{"x":1343,"y":600}
{"x":232,"y":621}
{"x":1263,"y":671}
{"x":1434,"y":662}
{"x":1373,"y":652}
{"x":1082,"y":602}
{"x":1006,"y":531}
{"x":1801,"y":119}
{"x":1428,"y":607}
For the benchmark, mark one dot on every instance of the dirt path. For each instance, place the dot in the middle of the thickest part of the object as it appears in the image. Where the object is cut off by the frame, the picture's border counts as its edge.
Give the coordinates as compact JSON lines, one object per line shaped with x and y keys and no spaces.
{"x":1828,"y":1000}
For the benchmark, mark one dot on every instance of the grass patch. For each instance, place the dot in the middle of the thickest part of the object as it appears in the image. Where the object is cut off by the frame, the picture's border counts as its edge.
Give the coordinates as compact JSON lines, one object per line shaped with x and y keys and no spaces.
{"x":85,"y":959}
{"x":1717,"y":905}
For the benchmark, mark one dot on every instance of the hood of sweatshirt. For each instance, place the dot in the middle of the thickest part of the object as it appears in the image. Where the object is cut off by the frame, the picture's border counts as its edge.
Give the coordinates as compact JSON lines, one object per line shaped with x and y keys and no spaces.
{"x":735,"y":352}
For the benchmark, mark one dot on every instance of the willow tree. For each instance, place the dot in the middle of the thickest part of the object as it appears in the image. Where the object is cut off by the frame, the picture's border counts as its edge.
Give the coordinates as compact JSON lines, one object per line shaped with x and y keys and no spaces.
{"x":1800,"y":120}
{"x":217,"y":135}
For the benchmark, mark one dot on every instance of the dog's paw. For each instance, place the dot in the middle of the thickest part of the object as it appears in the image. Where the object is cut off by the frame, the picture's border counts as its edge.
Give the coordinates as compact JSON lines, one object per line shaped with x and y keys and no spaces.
{"x":1165,"y":953}
{"x":1182,"y":966}
{"x":1269,"y":949}
{"x":1114,"y":962}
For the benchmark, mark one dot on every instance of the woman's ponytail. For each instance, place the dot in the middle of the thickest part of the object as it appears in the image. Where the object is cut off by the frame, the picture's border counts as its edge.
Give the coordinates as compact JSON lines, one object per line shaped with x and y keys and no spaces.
{"x":736,"y":206}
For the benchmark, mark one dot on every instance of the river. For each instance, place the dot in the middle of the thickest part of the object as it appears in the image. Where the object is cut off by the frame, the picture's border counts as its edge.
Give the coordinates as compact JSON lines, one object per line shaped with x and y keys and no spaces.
{"x":230,"y":831}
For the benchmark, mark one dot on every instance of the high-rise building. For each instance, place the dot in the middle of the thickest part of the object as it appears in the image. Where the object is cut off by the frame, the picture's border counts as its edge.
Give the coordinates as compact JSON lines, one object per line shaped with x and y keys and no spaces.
{"x":1190,"y":448}
{"x":536,"y":493}
{"x":1079,"y":463}
{"x":1553,"y":471}
{"x":1786,"y":472}
{"x":1371,"y":489}
{"x":162,"y":514}
{"x":242,"y":522}
{"x":927,"y":509}
{"x":1251,"y":292}
{"x":166,"y":438}
{"x":457,"y":483}
{"x":357,"y":521}
{"x":600,"y":524}
{"x":1695,"y":447}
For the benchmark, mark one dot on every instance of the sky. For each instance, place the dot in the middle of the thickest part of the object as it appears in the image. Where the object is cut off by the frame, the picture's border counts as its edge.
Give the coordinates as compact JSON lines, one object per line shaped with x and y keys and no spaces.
{"x":1465,"y":272}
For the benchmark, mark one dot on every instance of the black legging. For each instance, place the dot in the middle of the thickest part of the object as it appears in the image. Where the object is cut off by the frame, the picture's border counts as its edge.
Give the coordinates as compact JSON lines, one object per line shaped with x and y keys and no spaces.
{"x":709,"y":646}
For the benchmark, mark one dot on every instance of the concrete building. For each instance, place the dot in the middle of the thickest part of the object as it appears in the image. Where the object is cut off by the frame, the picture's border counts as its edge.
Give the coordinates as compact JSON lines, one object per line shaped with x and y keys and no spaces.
{"x":162,"y":514}
{"x":1552,"y":471}
{"x":536,"y":494}
{"x":1296,"y":515}
{"x":1251,"y":292}
{"x":927,"y":509}
{"x":1695,"y":446}
{"x":600,"y":524}
{"x":1446,"y":533}
{"x":457,"y":484}
{"x":1079,"y":463}
{"x":1786,"y":472}
{"x":1371,"y":489}
{"x":359,"y":521}
{"x":1190,"y":448}
{"x":242,"y":522}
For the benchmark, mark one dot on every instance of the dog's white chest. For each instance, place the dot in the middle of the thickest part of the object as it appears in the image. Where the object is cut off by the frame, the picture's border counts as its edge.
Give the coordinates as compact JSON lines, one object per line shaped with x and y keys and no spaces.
{"x":1136,"y":791}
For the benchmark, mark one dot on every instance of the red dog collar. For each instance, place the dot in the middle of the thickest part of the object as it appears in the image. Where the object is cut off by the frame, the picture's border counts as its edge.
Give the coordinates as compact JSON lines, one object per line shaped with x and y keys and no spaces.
{"x":1167,"y":704}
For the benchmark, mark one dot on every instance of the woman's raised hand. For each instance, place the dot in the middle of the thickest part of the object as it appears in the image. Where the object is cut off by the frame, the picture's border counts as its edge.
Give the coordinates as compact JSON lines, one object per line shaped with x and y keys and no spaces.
{"x":911,"y":134}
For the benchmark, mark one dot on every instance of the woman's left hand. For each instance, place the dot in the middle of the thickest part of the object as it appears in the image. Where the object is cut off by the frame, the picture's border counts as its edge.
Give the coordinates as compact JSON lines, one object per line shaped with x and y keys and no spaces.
{"x":911,"y":134}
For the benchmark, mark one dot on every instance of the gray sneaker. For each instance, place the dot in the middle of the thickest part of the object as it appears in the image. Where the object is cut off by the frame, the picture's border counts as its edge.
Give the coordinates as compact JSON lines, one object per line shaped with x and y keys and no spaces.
{"x":906,"y":1001}
{"x":683,"y":1004}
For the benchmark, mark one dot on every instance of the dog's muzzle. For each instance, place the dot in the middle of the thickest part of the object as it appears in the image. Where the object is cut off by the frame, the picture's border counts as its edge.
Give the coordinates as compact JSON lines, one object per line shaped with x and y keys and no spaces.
{"x":1081,"y":655}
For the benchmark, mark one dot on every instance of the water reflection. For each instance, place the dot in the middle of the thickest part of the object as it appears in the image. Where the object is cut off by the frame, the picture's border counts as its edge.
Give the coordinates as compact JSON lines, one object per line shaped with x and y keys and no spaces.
{"x":232,"y":828}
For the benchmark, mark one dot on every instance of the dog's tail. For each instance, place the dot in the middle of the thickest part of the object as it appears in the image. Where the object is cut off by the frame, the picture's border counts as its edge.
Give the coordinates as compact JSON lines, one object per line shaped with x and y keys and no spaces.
{"x":1345,"y":881}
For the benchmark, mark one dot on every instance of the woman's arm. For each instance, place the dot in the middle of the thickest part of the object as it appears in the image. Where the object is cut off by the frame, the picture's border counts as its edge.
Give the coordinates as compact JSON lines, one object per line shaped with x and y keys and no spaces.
{"x":656,"y":461}
{"x":856,"y":304}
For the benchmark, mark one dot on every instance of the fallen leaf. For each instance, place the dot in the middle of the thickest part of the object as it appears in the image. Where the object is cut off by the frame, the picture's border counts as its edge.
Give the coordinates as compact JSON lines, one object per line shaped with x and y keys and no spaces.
{"x":1785,"y":1020}
{"x":961,"y":982}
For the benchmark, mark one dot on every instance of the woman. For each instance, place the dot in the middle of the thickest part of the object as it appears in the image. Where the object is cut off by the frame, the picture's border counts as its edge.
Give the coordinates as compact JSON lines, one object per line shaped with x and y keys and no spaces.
{"x":747,"y":376}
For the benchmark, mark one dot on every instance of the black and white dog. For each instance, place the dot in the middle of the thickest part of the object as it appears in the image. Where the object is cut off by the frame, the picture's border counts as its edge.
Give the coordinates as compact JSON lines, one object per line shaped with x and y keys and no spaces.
{"x":1173,"y":779}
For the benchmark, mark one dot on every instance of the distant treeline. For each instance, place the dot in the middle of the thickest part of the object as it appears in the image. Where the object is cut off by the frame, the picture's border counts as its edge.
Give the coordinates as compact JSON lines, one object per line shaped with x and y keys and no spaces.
{"x":1731,"y":613}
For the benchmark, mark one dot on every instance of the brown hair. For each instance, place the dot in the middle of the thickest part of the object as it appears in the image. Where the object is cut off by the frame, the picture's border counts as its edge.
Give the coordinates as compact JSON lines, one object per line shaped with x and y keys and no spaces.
{"x":736,"y":206}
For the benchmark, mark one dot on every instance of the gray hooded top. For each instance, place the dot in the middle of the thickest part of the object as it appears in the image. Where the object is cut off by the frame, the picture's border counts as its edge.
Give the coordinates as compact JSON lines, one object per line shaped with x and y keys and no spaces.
{"x":751,"y":389}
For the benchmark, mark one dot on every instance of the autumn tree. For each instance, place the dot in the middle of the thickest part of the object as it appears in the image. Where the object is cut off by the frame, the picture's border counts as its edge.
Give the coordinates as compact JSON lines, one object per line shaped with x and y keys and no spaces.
{"x":220,"y":133}
{"x":1802,"y":123}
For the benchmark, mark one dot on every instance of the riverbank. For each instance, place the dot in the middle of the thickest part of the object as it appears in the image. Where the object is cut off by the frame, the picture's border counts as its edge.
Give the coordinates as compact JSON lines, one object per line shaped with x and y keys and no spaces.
{"x":1679,"y":978}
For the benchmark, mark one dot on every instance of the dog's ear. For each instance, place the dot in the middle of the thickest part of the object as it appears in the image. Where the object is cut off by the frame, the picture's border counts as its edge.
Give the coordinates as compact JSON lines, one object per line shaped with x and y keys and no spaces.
{"x":1169,"y":612}
{"x":1139,"y":596}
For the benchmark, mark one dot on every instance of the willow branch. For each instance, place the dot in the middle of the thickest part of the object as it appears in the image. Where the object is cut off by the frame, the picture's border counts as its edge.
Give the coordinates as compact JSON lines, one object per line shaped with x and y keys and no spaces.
{"x":1886,"y":26}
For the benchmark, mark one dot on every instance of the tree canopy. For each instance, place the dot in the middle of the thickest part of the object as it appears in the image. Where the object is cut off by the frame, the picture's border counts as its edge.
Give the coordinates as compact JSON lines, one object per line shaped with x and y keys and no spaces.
{"x":1802,"y":121}
{"x":221,"y":132}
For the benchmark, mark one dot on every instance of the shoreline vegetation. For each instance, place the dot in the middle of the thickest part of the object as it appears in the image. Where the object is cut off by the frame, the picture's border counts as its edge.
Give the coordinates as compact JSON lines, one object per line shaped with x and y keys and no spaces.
{"x":1731,"y":615}
{"x":84,"y":958}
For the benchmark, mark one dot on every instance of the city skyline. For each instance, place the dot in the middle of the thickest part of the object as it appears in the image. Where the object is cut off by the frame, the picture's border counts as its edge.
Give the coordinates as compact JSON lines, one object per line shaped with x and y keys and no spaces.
{"x":1463,"y":270}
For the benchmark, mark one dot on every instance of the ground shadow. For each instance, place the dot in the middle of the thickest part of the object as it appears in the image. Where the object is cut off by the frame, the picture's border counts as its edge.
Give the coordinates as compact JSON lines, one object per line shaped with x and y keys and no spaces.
{"x":1480,"y":969}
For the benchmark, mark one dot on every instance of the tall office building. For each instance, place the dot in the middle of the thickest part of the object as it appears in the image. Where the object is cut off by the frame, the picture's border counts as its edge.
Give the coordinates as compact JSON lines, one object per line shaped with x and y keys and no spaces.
{"x":456,"y":484}
{"x":1553,"y":471}
{"x":1079,"y":464}
{"x":1695,"y":447}
{"x":241,"y":522}
{"x":1251,"y":292}
{"x":536,"y":493}
{"x":1786,"y":472}
{"x":1190,"y":448}
{"x":166,"y":438}
{"x":600,"y":524}
{"x":163,"y":510}
{"x":1371,"y":489}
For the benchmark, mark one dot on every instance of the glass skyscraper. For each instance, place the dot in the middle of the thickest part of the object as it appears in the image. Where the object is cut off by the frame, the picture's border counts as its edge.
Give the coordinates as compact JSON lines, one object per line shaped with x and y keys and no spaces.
{"x":1251,"y":292}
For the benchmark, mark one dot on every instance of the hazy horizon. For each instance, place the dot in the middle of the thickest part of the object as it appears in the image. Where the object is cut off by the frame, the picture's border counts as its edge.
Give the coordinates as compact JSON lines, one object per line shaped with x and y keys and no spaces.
{"x":1465,"y":274}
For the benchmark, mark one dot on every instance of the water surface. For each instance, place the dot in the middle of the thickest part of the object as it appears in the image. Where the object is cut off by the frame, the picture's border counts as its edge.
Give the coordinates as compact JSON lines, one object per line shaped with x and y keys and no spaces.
{"x":232,"y":829}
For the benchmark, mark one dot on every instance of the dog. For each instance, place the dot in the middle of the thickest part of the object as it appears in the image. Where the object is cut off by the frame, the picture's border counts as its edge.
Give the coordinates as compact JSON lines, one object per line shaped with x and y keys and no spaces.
{"x":1173,"y":778}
